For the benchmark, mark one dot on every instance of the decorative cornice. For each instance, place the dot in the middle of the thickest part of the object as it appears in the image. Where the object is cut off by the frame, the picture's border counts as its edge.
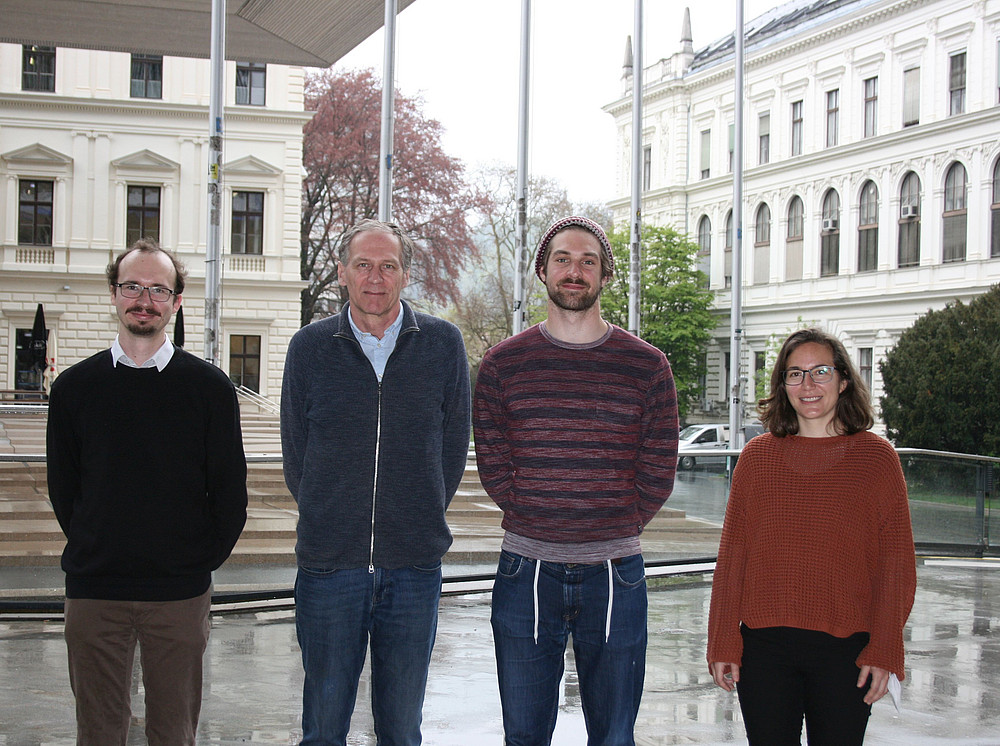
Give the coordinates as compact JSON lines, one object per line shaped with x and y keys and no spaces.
{"x":86,"y":107}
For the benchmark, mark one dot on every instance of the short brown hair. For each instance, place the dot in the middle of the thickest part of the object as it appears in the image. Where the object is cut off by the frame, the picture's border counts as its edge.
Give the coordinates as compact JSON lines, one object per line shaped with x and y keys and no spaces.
{"x":148,"y":246}
{"x":854,"y":409}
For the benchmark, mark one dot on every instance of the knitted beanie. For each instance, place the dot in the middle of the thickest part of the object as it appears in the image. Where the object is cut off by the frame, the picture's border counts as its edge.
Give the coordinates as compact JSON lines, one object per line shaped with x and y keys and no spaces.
{"x":570,"y":222}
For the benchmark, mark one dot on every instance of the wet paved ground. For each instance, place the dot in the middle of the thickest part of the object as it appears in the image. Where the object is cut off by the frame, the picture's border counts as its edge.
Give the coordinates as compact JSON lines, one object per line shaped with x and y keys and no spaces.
{"x":253,"y":675}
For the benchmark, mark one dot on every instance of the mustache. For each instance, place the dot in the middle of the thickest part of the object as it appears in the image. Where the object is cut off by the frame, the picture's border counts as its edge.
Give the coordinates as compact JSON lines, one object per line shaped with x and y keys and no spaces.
{"x":143,"y":309}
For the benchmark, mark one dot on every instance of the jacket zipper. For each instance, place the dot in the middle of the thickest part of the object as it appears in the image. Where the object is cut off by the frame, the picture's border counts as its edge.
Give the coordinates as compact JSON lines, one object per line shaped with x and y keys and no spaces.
{"x":378,"y":442}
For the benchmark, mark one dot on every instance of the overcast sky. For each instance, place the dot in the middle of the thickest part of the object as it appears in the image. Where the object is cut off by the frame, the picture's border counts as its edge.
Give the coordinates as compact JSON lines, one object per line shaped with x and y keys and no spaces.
{"x":462,"y":57}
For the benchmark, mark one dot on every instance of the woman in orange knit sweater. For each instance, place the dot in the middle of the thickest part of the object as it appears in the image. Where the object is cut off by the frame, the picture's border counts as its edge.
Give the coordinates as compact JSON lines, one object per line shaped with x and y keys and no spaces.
{"x":816,"y":570}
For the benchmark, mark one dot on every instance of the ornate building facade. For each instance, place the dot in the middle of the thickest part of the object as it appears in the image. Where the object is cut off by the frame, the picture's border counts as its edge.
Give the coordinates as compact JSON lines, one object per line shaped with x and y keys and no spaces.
{"x":871,"y":149}
{"x":99,"y":148}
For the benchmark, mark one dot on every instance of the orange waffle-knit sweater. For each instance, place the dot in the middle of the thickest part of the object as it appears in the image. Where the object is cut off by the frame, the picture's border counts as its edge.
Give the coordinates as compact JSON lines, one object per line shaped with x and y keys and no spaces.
{"x":817,"y":536}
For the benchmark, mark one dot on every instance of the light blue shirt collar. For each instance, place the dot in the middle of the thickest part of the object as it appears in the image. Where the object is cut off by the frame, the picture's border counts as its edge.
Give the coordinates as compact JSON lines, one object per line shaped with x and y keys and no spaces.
{"x":378,"y":350}
{"x":159,"y":360}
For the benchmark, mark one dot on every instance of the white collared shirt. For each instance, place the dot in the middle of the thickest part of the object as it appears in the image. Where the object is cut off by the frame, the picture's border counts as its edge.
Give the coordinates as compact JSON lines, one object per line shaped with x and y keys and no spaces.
{"x":159,"y":360}
{"x":378,"y":350}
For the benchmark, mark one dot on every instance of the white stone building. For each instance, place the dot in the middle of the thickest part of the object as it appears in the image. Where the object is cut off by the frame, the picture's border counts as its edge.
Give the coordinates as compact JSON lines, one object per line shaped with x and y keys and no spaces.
{"x":872,"y":169}
{"x":97,"y":148}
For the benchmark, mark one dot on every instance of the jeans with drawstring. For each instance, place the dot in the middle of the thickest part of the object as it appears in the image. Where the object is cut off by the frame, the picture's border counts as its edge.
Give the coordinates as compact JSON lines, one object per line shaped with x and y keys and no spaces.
{"x":531,"y":627}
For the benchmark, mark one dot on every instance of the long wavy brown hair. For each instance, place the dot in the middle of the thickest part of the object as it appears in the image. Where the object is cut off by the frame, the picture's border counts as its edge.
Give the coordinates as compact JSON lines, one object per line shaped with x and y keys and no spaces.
{"x":854,"y":411}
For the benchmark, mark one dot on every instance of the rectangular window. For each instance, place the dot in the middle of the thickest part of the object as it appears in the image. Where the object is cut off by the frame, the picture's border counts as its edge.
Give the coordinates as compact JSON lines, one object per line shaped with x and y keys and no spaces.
{"x":796,"y":128}
{"x":244,"y":360}
{"x":729,"y":376}
{"x":867,"y":249}
{"x":955,"y":231}
{"x":995,"y":232}
{"x":147,"y":76}
{"x":764,"y":139}
{"x":760,"y":374}
{"x":829,"y":253}
{"x":732,"y":147}
{"x":647,"y":167}
{"x":34,"y":219}
{"x":866,"y":364}
{"x":909,"y":243}
{"x":832,"y":116}
{"x":27,"y":375}
{"x":871,"y":107}
{"x":248,"y":223}
{"x":911,"y":97}
{"x":142,"y":214}
{"x":251,"y":82}
{"x":38,"y":68}
{"x":956,"y":84}
{"x":706,"y":153}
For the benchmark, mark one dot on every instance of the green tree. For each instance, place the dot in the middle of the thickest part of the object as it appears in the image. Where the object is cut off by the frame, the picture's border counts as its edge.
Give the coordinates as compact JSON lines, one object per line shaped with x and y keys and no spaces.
{"x":675,"y":306}
{"x":942,"y":379}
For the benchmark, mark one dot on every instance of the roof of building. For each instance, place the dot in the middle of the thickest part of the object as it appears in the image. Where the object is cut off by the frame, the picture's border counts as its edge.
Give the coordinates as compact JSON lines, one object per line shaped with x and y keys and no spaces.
{"x":792,"y":17}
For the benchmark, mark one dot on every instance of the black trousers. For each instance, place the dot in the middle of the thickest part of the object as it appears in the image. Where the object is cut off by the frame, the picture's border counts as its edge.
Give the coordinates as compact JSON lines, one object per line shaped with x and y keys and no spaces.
{"x":787,"y":674}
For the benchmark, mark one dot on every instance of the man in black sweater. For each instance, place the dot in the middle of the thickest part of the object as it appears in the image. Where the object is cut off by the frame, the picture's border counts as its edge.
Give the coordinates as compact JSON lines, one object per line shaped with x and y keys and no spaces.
{"x":147,"y":478}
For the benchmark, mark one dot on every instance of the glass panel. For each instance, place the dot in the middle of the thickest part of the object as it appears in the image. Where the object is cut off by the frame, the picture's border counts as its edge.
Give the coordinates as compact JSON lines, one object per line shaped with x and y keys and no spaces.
{"x":954,"y":237}
{"x":793,"y":260}
{"x":911,"y":97}
{"x":795,"y":222}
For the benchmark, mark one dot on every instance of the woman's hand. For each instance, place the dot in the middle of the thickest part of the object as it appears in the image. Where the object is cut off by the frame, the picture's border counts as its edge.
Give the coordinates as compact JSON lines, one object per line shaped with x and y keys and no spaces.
{"x":725,"y":675}
{"x":879,"y":686}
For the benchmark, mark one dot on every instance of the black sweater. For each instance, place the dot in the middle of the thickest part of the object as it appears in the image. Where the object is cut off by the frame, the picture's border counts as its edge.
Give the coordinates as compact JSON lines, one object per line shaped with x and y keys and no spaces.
{"x":146,"y":475}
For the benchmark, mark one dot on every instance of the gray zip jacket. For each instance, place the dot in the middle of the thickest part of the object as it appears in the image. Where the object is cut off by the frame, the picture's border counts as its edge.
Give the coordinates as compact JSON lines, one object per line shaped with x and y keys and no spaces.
{"x":373,"y":466}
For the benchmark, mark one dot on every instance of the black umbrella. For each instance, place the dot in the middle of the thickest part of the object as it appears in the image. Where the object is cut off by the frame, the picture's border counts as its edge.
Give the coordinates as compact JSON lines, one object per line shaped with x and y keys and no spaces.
{"x":179,"y":327}
{"x":39,"y":344}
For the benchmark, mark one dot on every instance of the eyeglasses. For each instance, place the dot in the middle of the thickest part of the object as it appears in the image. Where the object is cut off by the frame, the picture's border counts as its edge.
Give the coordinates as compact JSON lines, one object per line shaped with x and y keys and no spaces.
{"x":134,"y":290}
{"x":819,"y":374}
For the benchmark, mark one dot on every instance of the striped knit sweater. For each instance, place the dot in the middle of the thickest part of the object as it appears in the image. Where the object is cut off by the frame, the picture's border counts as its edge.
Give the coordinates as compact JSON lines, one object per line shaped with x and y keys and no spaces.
{"x":817,"y":536}
{"x":576,"y":443}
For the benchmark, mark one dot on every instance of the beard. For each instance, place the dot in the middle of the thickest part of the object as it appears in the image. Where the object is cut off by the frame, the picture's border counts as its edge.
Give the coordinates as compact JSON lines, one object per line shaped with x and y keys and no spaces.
{"x":141,"y":330}
{"x":576,"y":301}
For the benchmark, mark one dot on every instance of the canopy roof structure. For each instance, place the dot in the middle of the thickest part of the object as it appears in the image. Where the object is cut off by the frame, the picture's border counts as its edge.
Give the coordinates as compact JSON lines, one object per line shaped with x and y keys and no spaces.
{"x":313,"y":33}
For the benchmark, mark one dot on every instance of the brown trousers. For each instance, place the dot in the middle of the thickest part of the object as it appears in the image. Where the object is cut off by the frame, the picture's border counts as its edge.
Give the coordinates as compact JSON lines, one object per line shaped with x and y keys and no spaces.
{"x":101,"y":638}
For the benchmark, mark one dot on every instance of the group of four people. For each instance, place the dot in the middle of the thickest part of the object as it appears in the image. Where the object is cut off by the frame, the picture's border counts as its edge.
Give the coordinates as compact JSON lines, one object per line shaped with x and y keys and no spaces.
{"x":576,"y":441}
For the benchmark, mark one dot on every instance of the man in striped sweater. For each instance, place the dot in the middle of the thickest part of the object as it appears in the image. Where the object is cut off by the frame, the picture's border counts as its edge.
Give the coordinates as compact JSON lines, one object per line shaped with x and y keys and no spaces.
{"x":576,"y":440}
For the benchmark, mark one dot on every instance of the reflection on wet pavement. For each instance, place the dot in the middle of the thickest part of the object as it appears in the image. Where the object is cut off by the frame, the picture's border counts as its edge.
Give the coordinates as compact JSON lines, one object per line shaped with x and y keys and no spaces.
{"x":253,"y":675}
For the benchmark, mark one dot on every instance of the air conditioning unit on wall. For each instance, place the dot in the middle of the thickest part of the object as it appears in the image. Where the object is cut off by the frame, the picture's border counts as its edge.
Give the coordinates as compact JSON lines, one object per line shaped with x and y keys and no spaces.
{"x":831,"y":224}
{"x":909,"y":211}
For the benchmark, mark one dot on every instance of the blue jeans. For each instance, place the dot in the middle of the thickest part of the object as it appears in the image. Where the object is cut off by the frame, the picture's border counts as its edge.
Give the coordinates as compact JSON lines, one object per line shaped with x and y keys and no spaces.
{"x":572,"y":599}
{"x":337,"y":613}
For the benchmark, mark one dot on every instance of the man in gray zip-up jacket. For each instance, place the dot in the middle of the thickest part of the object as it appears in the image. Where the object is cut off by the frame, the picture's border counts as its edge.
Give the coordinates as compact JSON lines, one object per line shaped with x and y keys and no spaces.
{"x":375,"y":417}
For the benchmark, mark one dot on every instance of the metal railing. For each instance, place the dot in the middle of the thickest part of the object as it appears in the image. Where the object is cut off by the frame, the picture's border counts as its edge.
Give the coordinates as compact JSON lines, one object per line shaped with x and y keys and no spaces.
{"x":261,"y":401}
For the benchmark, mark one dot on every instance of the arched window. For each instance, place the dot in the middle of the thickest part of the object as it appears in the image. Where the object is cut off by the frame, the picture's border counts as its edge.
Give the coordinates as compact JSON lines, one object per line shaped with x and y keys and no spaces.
{"x":729,"y":249}
{"x":793,"y":240}
{"x":908,"y":254}
{"x":995,"y":213}
{"x":829,"y":235}
{"x":868,"y":228}
{"x":705,"y":247}
{"x":762,"y":245}
{"x":955,"y":217}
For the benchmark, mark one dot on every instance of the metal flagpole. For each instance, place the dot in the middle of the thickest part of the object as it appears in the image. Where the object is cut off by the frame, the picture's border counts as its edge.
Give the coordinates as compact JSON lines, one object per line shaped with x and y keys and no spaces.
{"x":635,"y":246}
{"x":521,"y":237}
{"x":213,"y":249}
{"x":388,"y":114}
{"x":736,"y":309}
